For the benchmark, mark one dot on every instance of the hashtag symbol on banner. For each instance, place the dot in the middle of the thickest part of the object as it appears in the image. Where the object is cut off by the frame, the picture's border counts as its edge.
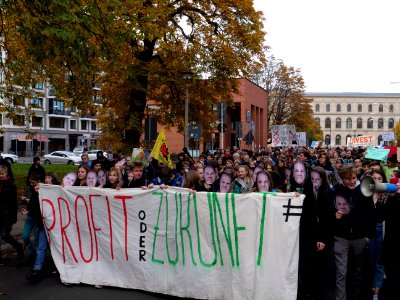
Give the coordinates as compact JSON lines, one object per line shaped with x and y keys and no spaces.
{"x":288,"y":207}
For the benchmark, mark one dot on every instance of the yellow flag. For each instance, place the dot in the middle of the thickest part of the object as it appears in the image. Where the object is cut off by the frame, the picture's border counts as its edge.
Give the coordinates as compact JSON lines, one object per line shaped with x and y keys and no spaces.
{"x":160,"y":150}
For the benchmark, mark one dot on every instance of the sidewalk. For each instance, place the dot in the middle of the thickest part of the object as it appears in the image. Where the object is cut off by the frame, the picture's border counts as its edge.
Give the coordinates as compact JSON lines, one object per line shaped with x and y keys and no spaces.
{"x":16,"y":233}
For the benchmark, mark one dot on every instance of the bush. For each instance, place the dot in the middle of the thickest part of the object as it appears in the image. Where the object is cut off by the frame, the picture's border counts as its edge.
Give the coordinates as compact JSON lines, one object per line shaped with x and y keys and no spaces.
{"x":20,"y":171}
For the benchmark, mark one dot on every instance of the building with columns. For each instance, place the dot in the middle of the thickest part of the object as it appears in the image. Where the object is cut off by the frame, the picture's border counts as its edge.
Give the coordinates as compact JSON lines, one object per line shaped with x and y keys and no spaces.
{"x":343,"y":115}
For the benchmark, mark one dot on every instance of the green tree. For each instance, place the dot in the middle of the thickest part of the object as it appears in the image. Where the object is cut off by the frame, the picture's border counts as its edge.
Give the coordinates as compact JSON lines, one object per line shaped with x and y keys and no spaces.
{"x":286,"y":100}
{"x":135,"y":51}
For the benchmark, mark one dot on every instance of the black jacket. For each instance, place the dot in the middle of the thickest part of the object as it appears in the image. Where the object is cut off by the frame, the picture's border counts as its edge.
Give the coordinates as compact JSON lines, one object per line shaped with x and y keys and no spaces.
{"x":361,"y":221}
{"x":8,"y":201}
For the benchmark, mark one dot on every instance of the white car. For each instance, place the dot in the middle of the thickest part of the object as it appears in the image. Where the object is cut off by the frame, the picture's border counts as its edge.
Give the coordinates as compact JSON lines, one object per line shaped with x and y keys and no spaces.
{"x":62,"y":157}
{"x":11,"y":158}
{"x":93,"y":153}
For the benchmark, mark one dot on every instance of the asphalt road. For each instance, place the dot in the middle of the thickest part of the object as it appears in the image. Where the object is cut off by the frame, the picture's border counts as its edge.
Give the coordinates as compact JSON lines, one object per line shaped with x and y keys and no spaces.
{"x":13,"y":285}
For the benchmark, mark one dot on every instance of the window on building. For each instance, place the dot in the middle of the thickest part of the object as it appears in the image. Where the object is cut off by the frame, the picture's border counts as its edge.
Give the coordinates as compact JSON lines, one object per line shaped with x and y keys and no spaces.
{"x":84,"y":125}
{"x":328,"y":107}
{"x":328,"y":123}
{"x":318,"y":121}
{"x":338,"y":140}
{"x":18,"y":100}
{"x":338,"y":107}
{"x":93,"y":126}
{"x":349,"y":123}
{"x":369,"y":107}
{"x":72,"y":124}
{"x":359,"y":123}
{"x":39,"y":86}
{"x":317,"y":107}
{"x":1,"y":119}
{"x":370,"y":123}
{"x":57,"y":122}
{"x":56,"y":106}
{"x":380,"y":123}
{"x":348,"y":107}
{"x":359,"y":108}
{"x":391,"y":123}
{"x":37,"y":102}
{"x":327,"y":139}
{"x":37,"y":121}
{"x":51,"y":92}
{"x":380,"y":108}
{"x":19,"y":120}
{"x":338,"y":123}
{"x":391,"y":109}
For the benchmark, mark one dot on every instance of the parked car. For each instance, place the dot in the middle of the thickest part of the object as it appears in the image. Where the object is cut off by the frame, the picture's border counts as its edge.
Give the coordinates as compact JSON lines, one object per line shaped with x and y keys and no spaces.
{"x":93,"y":153}
{"x":62,"y":157}
{"x":78,"y":150}
{"x":11,"y":158}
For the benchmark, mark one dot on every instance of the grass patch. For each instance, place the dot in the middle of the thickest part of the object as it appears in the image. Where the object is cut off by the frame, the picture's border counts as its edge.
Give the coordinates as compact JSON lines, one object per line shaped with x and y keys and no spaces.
{"x":20,"y":171}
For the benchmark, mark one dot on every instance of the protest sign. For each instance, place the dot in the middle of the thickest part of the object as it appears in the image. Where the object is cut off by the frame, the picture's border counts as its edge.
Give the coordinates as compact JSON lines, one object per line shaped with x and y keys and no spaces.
{"x":203,"y":245}
{"x":366,"y":140}
{"x":301,"y":138}
{"x":377,"y":154}
{"x":388,"y":136}
{"x":283,"y":135}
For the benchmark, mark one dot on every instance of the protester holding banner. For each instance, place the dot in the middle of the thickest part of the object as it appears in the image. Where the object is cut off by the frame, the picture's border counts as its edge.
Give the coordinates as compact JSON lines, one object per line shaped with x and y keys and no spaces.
{"x":81,"y":174}
{"x":391,"y":245}
{"x":313,"y":229}
{"x":263,"y":182}
{"x":34,"y":209}
{"x":352,"y":232}
{"x":375,"y":244}
{"x":8,"y":211}
{"x":113,"y":179}
{"x":243,"y":183}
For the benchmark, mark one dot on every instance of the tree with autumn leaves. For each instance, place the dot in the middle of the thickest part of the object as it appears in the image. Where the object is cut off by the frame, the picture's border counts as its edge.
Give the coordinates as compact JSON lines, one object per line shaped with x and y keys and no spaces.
{"x":127,"y":52}
{"x":287,"y":103}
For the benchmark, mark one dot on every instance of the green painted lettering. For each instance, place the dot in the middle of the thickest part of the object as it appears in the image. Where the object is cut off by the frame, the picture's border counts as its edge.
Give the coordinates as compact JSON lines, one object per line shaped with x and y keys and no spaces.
{"x":186,"y":229}
{"x":170,"y":260}
{"x":260,"y":246}
{"x":236,"y":228}
{"x":226,"y":229}
{"x":155,"y":260}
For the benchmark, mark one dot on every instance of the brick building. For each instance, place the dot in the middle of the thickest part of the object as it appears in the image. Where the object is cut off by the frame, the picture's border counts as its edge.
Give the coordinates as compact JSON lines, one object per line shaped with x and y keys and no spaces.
{"x":249,"y":111}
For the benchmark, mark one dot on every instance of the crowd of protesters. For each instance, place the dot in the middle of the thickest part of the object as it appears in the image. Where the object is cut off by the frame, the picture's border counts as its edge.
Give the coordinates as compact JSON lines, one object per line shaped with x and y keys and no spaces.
{"x":343,"y":242}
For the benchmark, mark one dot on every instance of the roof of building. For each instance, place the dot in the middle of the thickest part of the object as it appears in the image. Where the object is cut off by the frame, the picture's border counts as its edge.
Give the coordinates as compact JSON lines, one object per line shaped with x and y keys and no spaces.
{"x":351,"y":94}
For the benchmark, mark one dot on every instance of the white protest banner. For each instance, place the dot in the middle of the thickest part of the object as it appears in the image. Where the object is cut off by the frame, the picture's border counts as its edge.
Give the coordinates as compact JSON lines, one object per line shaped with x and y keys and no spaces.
{"x":387,"y":136}
{"x":366,"y":140}
{"x":377,"y":154}
{"x":203,"y":245}
{"x":301,"y":139}
{"x":283,"y":135}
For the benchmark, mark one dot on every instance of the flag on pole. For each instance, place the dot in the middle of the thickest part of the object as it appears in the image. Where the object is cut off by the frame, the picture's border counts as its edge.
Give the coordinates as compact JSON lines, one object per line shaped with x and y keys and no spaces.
{"x":160,"y":150}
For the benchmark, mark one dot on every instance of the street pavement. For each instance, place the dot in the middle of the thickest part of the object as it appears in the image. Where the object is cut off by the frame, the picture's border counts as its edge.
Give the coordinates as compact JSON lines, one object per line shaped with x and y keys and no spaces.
{"x":13,"y":283}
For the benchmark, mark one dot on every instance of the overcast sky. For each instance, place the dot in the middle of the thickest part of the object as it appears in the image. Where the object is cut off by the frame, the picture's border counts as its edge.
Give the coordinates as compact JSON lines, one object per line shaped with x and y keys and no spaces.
{"x":339,"y":46}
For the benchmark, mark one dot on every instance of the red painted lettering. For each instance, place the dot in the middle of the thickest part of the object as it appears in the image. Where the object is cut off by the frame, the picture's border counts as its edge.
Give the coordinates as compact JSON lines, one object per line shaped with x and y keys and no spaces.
{"x":79,"y":230}
{"x":64,"y":237}
{"x":123,"y":199}
{"x":53,"y":211}
{"x":111,"y":231}
{"x":95,"y":229}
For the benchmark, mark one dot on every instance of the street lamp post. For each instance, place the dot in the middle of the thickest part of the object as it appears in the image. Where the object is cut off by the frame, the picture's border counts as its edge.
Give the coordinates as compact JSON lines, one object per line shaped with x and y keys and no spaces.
{"x":187,"y":76}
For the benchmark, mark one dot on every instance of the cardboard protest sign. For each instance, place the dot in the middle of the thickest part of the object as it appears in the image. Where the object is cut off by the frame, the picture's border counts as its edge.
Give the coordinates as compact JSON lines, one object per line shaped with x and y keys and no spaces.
{"x":367,"y":140}
{"x":203,"y":245}
{"x":283,"y":135}
{"x":301,"y":138}
{"x":377,"y":154}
